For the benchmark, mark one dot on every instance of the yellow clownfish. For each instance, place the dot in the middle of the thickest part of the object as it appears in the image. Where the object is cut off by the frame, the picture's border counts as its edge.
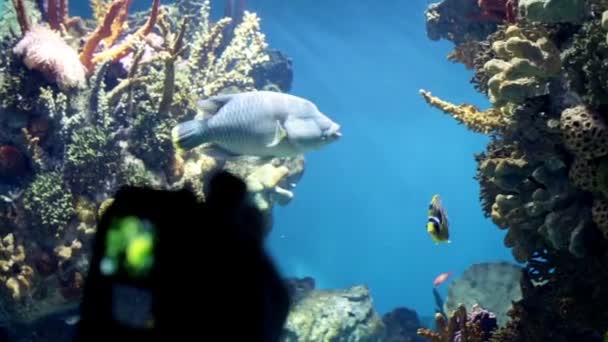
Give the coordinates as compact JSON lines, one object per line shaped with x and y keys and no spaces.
{"x":437,"y":224}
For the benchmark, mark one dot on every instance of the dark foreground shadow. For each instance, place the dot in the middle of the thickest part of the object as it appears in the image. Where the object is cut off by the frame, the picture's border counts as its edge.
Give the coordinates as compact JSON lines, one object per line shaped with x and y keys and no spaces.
{"x":206,"y":276}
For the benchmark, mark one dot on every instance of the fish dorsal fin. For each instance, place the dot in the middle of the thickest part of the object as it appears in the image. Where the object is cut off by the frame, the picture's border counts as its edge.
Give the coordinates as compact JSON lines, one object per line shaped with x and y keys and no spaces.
{"x":213,"y":104}
{"x":279,"y":134}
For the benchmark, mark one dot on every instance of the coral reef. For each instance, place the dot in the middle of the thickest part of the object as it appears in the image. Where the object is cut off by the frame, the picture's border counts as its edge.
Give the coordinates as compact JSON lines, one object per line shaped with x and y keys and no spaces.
{"x":87,"y":106}
{"x":491,"y":285}
{"x":333,"y":315}
{"x":544,"y":173}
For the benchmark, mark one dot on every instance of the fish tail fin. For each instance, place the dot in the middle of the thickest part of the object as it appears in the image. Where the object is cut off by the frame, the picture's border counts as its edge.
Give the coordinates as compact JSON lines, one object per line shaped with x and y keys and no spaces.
{"x":188,"y":135}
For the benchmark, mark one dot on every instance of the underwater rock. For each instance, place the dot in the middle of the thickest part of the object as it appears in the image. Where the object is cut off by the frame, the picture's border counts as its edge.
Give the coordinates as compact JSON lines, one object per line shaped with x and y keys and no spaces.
{"x":12,"y":162}
{"x":522,"y":69}
{"x":334,"y":315}
{"x":401,"y":326}
{"x":493,"y":286}
{"x":457,"y":21}
{"x":278,"y":71}
{"x":560,"y":225}
{"x":553,"y":11}
{"x":299,"y":288}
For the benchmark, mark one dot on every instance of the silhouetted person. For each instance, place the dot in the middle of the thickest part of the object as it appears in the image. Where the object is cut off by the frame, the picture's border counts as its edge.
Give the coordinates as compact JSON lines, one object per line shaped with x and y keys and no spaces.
{"x":211,"y":279}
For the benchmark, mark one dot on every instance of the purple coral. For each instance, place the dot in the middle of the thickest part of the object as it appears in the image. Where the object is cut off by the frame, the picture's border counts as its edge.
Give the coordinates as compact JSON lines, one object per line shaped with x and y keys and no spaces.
{"x":484,"y":320}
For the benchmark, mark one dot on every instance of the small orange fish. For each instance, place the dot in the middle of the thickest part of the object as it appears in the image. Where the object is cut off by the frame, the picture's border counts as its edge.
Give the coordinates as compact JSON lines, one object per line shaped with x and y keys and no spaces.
{"x":441,"y":278}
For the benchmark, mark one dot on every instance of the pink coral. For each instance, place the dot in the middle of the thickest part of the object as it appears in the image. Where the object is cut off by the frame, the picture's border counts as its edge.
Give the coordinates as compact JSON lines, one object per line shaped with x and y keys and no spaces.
{"x":44,"y":50}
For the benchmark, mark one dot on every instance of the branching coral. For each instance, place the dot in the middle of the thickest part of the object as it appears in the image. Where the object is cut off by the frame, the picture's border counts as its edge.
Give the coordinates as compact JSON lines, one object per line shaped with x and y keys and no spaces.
{"x":476,"y":120}
{"x":108,"y":30}
{"x":236,"y":62}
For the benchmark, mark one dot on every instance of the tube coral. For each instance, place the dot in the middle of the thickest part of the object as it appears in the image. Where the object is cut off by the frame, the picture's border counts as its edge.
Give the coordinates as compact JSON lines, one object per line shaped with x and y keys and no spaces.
{"x":109,"y":29}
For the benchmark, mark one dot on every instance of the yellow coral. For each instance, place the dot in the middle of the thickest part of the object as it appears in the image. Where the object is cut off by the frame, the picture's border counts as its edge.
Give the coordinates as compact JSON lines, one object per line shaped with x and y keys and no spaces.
{"x":14,"y":273}
{"x":65,"y":253}
{"x":267,"y":178}
{"x":99,"y":9}
{"x":469,"y":115}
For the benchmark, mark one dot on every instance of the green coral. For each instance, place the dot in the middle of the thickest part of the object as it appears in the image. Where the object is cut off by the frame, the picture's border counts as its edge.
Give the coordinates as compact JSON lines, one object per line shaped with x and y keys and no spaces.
{"x":586,"y":63}
{"x":48,"y":201}
{"x":8,"y":17}
{"x":19,"y":88}
{"x":136,"y":174}
{"x":553,"y":11}
{"x":91,"y":159}
{"x":92,"y":153}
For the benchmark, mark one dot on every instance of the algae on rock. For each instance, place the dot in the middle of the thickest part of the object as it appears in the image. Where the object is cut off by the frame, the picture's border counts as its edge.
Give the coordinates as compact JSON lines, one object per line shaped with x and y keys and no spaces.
{"x":334,"y":316}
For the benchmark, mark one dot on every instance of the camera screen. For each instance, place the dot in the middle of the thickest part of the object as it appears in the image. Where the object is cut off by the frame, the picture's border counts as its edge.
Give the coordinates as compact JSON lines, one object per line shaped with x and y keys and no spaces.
{"x":129,"y":248}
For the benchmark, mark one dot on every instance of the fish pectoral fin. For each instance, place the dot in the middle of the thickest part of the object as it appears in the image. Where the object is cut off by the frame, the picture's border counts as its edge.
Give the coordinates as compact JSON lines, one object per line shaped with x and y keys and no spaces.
{"x":279,"y":134}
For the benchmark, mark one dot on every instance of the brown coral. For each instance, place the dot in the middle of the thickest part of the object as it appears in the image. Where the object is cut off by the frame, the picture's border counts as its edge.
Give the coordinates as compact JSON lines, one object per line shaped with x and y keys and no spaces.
{"x":12,"y":161}
{"x":599,"y":212}
{"x":465,"y":53}
{"x":583,"y":174}
{"x":585,"y":133}
{"x":43,"y":50}
{"x":478,"y":121}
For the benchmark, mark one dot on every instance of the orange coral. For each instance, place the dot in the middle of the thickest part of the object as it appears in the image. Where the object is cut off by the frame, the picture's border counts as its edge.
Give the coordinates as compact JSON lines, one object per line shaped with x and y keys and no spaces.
{"x":109,"y":30}
{"x":57,"y":15}
{"x":122,"y":50}
{"x":103,"y":31}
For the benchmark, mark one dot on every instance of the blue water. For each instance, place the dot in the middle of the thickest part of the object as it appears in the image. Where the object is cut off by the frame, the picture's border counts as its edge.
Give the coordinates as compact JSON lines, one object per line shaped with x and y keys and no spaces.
{"x":360,"y":210}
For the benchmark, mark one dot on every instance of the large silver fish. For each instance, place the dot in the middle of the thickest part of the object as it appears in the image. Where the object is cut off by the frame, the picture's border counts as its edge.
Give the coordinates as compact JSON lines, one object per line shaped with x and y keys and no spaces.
{"x":258,"y":123}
